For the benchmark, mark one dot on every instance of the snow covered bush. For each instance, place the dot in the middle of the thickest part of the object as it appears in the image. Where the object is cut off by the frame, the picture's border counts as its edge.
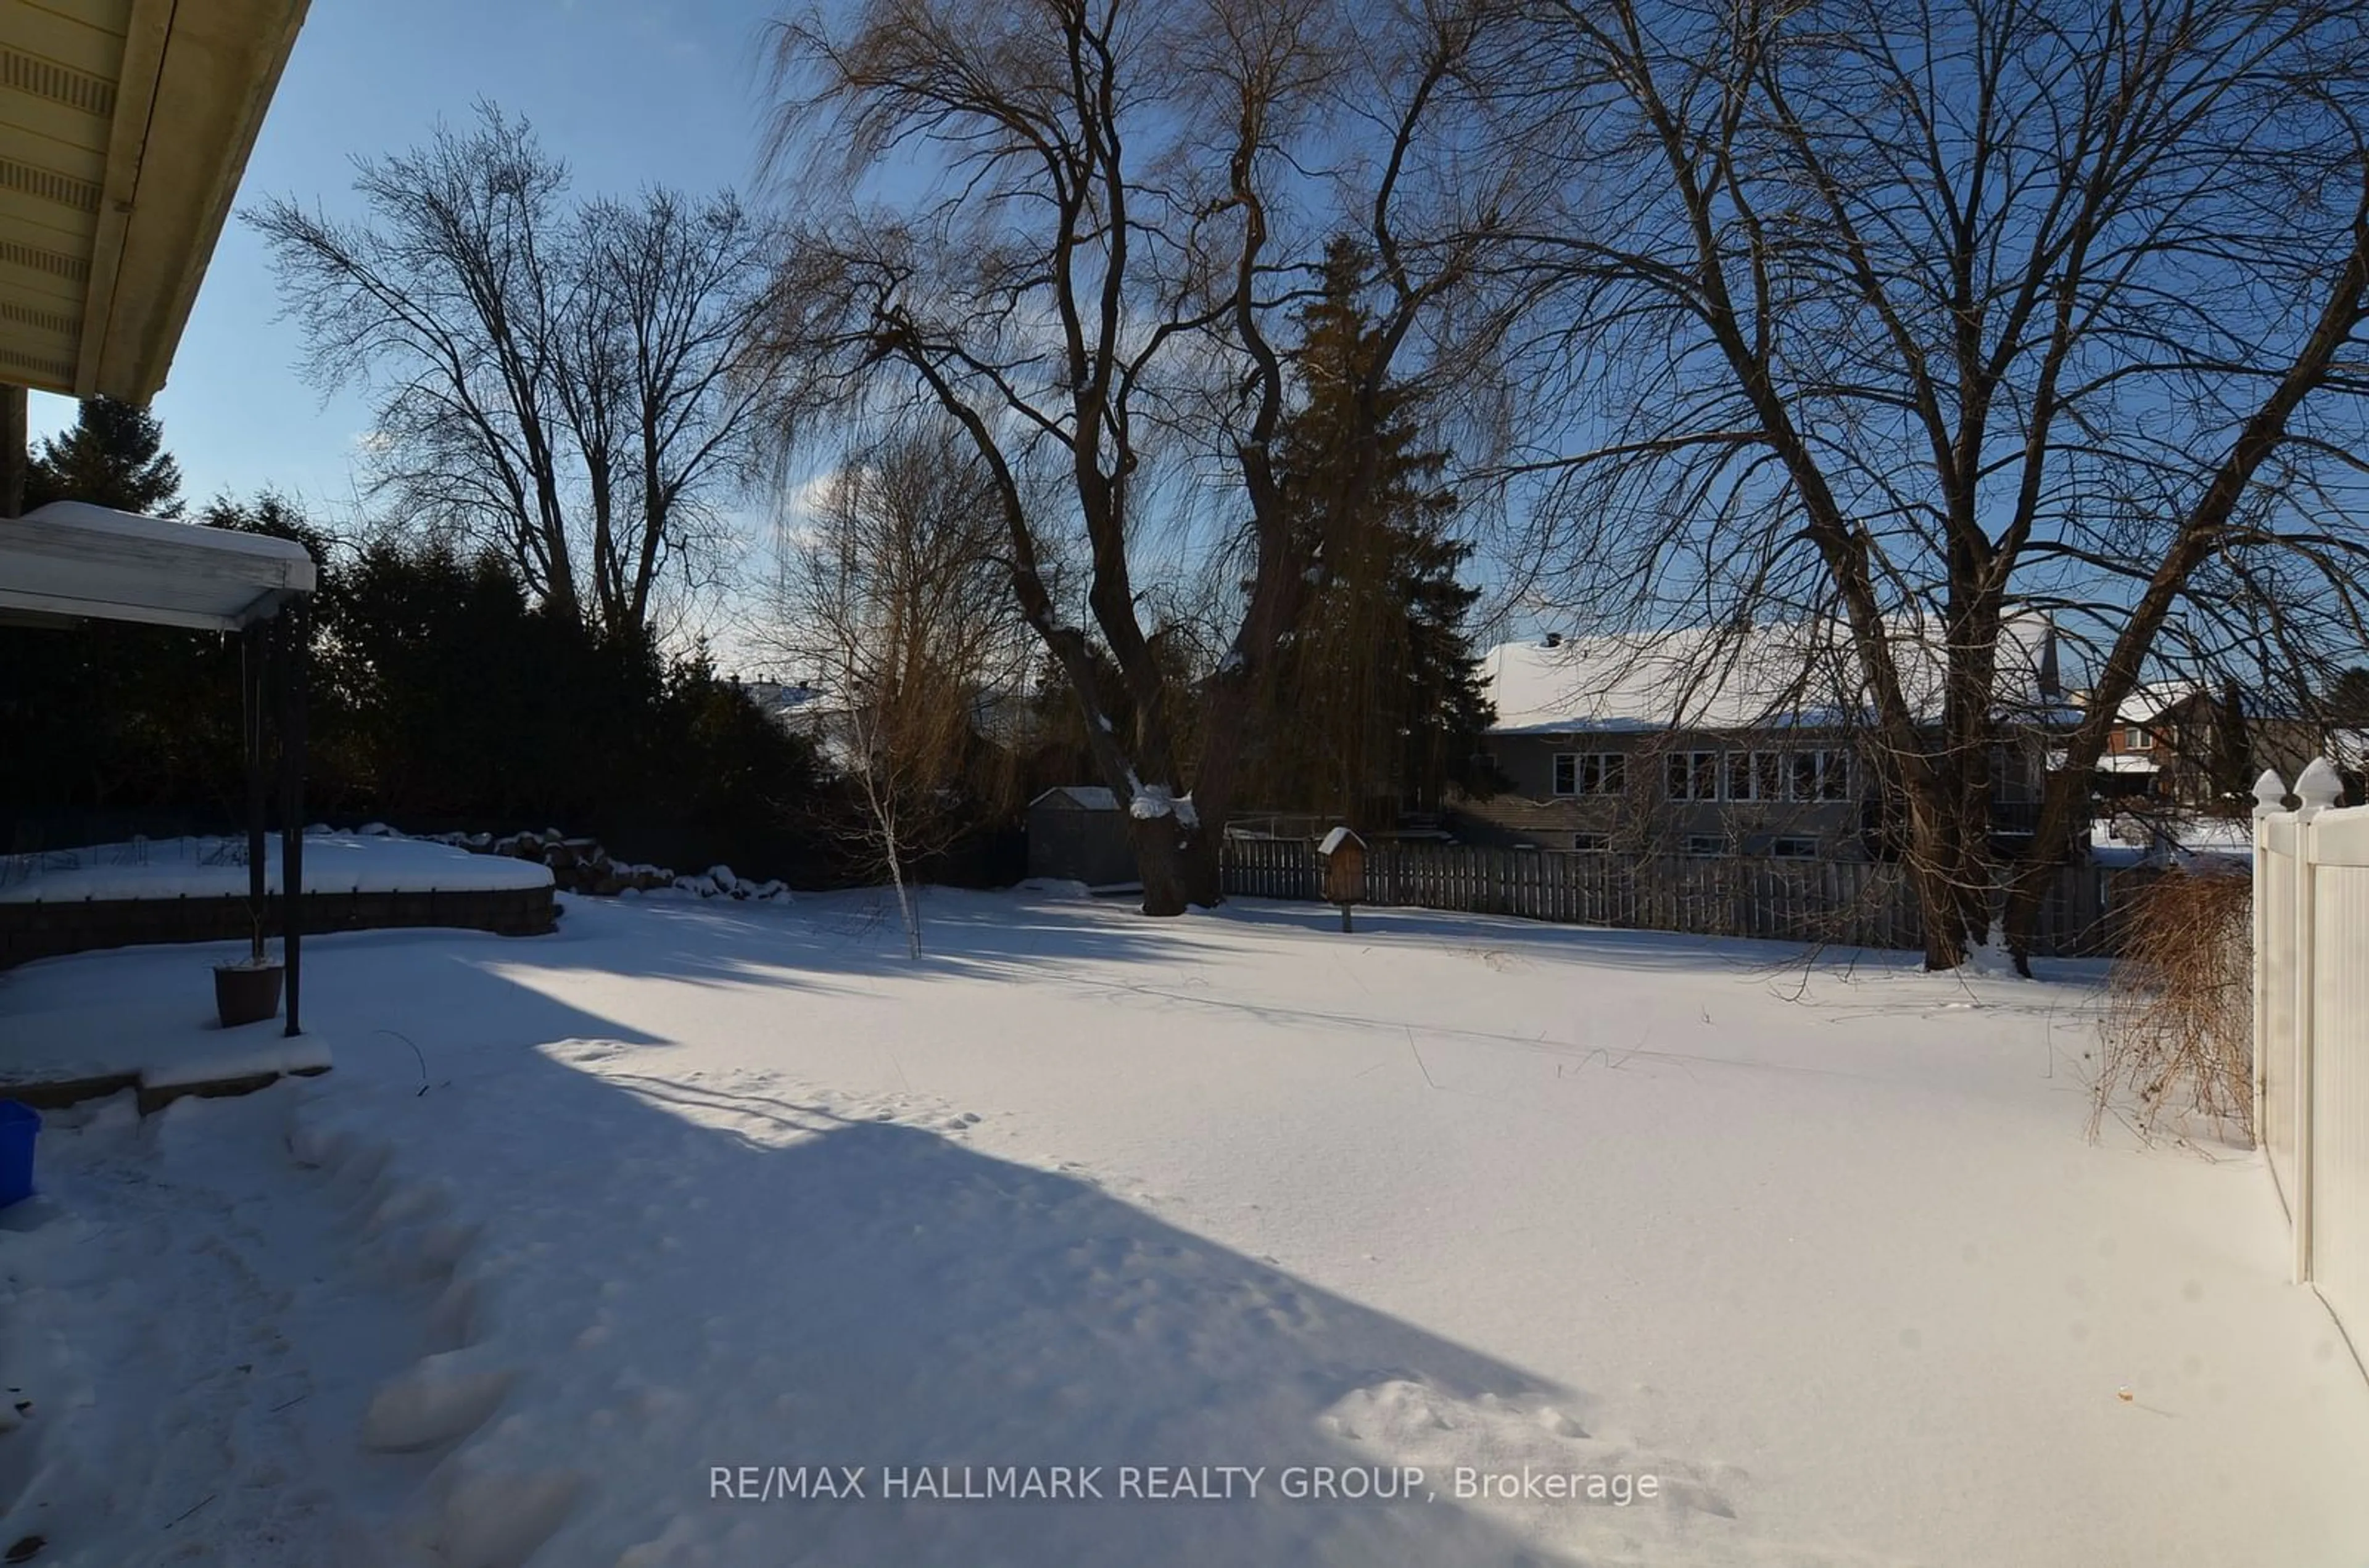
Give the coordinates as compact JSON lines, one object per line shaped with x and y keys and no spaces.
{"x":2180,"y":1013}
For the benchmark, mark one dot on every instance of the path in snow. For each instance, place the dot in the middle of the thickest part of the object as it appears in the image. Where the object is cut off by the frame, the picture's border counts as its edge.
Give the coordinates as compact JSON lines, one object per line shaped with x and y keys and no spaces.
{"x":198,"y":1328}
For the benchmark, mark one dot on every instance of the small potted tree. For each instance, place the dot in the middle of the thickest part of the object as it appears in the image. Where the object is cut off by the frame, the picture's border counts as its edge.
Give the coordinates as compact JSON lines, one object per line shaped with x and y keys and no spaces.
{"x":247,"y":990}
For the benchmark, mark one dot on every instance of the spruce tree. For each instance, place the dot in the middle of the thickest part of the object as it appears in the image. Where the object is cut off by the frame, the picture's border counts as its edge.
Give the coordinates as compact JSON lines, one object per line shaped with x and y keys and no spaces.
{"x":114,"y":456}
{"x":1380,"y":701}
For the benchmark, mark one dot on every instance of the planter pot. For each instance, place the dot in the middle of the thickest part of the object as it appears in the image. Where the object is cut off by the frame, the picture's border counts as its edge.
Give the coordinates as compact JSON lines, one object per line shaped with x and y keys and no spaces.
{"x":247,"y":994}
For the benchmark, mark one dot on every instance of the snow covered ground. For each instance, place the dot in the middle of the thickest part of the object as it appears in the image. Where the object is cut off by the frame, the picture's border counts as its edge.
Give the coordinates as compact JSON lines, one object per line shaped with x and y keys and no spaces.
{"x":2196,"y":842}
{"x":581,"y":1225}
{"x":202,"y":867}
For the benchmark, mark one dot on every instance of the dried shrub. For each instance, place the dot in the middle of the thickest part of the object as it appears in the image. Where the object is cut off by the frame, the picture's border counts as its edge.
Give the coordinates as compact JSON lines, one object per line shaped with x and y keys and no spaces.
{"x":2180,"y":1012}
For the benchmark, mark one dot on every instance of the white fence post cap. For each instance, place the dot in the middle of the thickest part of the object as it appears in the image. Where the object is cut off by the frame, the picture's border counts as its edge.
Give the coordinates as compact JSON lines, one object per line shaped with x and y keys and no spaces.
{"x":2269,"y":791}
{"x":2319,"y":787}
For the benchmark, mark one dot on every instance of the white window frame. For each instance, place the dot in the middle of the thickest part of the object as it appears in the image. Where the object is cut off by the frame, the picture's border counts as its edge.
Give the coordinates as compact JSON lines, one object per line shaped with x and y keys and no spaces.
{"x":1698,"y":765}
{"x":1589,"y":770}
{"x":1762,"y":774}
{"x":1829,"y":775}
{"x":1834,"y":776}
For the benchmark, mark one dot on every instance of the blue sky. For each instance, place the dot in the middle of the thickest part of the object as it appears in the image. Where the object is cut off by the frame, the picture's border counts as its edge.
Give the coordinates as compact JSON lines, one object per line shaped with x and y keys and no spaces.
{"x":629,"y":94}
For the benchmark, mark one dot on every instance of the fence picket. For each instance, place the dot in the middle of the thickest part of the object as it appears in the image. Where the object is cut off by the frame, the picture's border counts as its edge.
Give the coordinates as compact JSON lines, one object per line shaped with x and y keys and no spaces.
{"x":1854,"y":903}
{"x":2311,"y":1032}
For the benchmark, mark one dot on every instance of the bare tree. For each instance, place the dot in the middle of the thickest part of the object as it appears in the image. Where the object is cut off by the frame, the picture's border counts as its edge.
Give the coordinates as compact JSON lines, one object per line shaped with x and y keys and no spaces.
{"x":894,"y":597}
{"x":1090,"y":292}
{"x":1908,"y":316}
{"x":567,"y":382}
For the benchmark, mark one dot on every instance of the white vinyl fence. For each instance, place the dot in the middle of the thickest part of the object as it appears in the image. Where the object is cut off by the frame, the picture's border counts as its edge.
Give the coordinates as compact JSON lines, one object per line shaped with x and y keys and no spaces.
{"x":2311,"y":1030}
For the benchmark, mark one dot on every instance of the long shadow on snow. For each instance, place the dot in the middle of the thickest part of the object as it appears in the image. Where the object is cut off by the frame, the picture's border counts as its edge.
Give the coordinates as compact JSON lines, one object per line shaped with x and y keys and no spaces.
{"x":838,"y":941}
{"x":841,"y":940}
{"x":792,"y":1284}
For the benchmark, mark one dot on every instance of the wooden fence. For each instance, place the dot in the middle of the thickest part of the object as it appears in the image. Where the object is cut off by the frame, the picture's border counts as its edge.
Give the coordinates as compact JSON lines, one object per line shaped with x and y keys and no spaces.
{"x":1850,"y":903}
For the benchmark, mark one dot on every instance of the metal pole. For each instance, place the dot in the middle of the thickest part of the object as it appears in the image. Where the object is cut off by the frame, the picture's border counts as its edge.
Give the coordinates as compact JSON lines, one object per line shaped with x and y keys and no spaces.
{"x":292,"y":787}
{"x":252,"y":652}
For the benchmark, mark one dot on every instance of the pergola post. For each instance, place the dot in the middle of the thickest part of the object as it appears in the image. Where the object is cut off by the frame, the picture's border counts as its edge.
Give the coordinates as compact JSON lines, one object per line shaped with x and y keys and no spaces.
{"x":252,"y":650}
{"x":290,"y":628}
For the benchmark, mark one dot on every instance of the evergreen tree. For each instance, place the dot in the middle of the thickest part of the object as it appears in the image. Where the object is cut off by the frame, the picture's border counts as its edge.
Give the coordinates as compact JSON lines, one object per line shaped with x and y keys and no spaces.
{"x":2348,"y":699}
{"x":114,"y":456}
{"x":1379,"y":701}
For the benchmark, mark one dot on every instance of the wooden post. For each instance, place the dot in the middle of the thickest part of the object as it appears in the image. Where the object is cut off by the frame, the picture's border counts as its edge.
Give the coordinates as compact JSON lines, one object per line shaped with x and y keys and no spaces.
{"x":252,"y":650}
{"x":292,"y":659}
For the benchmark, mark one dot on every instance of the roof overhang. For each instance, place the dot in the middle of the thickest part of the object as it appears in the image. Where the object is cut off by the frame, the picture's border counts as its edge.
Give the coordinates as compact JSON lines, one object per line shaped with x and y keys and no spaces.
{"x":70,"y":560}
{"x":124,"y":126}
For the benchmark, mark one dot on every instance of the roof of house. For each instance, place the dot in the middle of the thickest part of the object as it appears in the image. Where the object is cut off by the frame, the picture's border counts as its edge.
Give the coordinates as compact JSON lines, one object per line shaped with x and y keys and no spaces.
{"x":1079,"y":797}
{"x":2148,"y":703}
{"x":128,"y":126}
{"x":1795,"y":674}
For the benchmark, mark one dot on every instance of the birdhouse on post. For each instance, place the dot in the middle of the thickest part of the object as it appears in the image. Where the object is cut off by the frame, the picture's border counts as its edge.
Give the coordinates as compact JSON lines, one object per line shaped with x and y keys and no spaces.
{"x":1343,"y":856}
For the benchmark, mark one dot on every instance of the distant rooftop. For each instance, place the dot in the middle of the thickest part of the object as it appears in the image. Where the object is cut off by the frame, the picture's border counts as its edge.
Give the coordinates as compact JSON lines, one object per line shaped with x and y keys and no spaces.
{"x":1799,"y":673}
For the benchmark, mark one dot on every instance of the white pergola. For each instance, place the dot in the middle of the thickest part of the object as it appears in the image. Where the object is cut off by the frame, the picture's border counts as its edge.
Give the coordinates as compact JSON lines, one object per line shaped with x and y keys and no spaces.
{"x":71,"y":561}
{"x":124,"y":127}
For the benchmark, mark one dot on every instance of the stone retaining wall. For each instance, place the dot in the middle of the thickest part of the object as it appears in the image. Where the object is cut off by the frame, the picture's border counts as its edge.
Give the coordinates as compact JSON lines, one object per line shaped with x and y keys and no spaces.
{"x":47,"y":930}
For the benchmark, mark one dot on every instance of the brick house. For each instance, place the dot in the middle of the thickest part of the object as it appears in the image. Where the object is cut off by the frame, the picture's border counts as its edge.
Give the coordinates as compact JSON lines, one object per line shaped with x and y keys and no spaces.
{"x":2187,"y":745}
{"x":1716,"y":741}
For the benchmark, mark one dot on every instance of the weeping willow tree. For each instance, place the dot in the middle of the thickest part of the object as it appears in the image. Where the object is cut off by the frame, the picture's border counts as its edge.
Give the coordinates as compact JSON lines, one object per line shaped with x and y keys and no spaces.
{"x":1383,"y":693}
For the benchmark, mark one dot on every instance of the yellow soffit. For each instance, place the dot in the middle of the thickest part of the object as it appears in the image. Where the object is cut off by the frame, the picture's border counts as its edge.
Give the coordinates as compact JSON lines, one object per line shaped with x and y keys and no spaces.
{"x":124,"y":126}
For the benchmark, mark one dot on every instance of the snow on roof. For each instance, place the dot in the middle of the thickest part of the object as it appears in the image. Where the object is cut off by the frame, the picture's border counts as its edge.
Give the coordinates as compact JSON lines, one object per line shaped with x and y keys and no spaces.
{"x":73,"y":558}
{"x":2148,"y":703}
{"x":2126,"y":762}
{"x":1336,"y":838}
{"x":1799,"y":674}
{"x":1084,"y":798}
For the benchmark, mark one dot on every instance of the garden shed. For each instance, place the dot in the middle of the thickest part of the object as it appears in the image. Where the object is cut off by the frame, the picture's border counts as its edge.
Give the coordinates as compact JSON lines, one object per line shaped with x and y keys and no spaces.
{"x":1077,"y":833}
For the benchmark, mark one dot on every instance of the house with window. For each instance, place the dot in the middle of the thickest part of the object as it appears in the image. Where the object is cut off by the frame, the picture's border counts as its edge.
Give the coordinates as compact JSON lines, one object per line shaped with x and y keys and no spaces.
{"x":2191,"y":746}
{"x":1729,"y":740}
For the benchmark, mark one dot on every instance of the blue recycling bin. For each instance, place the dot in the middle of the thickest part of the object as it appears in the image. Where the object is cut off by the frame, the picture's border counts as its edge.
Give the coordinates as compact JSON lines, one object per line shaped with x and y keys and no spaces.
{"x":20,"y":1125}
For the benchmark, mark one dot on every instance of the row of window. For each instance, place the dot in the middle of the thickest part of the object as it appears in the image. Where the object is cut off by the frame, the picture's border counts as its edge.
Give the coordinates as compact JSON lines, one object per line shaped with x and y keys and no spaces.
{"x":1790,"y":846}
{"x":1798,"y":775}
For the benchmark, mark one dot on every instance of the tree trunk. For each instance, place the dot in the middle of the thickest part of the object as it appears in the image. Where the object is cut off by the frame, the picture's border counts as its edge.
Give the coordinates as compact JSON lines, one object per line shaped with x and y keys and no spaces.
{"x":905,"y":910}
{"x":1934,"y":864}
{"x":1163,"y":858}
{"x":1203,"y":876}
{"x":2027,"y":884}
